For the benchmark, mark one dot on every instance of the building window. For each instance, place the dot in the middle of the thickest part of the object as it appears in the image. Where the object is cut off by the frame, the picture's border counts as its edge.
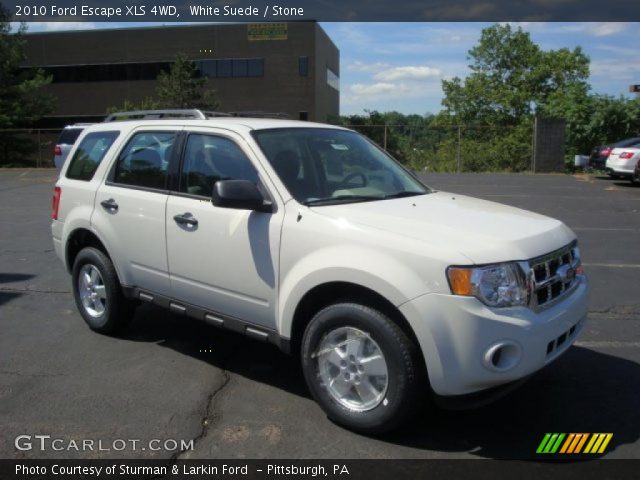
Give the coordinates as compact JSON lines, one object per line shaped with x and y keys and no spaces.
{"x":303,"y":66}
{"x":224,"y":68}
{"x":333,"y":80}
{"x":239,"y":67}
{"x":255,"y":67}
{"x":207,"y":68}
{"x":304,"y":116}
{"x":125,"y":72}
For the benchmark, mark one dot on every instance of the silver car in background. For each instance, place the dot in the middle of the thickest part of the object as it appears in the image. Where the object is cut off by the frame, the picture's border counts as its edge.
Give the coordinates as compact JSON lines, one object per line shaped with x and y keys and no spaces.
{"x":65,"y":142}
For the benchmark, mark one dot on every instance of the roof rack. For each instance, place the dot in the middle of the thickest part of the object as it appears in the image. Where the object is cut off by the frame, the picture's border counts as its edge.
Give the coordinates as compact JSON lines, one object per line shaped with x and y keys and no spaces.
{"x":187,"y":114}
{"x":259,"y":114}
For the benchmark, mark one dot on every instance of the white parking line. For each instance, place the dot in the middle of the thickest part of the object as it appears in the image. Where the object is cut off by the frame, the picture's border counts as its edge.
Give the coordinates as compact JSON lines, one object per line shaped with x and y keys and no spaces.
{"x":515,"y":195}
{"x":612,"y":265}
{"x":603,"y":229}
{"x":607,"y":344}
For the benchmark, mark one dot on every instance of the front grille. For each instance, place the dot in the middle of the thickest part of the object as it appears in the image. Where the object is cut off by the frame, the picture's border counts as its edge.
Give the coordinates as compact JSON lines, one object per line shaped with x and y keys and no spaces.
{"x":554,"y":275}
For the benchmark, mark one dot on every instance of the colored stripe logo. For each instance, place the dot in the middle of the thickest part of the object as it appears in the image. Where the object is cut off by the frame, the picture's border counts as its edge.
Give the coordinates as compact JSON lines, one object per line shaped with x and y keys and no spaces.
{"x":574,"y":443}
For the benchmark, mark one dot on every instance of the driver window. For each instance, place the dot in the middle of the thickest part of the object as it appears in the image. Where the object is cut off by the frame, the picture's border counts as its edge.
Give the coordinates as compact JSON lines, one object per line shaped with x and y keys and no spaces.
{"x":209,"y":158}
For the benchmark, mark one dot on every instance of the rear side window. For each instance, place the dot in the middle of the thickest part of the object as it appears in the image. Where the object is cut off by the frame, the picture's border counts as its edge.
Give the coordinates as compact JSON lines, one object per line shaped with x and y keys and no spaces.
{"x":89,"y":154}
{"x":144,"y":160}
{"x":69,"y":136}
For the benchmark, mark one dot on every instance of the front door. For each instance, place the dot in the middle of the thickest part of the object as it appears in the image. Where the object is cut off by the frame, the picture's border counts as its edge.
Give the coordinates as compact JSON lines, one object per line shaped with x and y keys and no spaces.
{"x":222,"y":259}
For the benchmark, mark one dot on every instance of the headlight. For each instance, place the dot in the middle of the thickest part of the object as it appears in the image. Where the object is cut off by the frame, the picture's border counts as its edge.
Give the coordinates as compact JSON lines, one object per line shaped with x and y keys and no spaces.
{"x":501,"y":285}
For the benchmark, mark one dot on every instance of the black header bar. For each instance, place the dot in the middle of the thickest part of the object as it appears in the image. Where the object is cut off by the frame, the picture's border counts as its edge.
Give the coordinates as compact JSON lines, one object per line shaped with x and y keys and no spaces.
{"x":312,"y":469}
{"x":254,"y":11}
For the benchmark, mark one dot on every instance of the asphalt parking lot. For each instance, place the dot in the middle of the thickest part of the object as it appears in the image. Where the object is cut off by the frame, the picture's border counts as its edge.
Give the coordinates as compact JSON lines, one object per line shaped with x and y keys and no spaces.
{"x":168,"y":377}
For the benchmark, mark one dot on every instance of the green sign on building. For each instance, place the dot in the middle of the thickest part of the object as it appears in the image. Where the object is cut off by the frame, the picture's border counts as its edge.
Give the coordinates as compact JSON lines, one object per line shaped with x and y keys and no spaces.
{"x":267,"y":31}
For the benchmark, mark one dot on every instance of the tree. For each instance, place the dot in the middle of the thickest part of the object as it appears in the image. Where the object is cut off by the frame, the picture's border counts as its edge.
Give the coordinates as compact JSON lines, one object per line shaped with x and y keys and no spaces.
{"x":21,"y":99}
{"x":180,"y":87}
{"x":594,"y":119}
{"x":183,"y":87}
{"x":147,"y":103}
{"x":511,"y":78}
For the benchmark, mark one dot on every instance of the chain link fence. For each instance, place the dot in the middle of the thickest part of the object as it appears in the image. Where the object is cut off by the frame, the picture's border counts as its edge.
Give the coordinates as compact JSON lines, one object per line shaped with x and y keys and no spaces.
{"x":423,"y":148}
{"x":461,"y":148}
{"x":28,"y":147}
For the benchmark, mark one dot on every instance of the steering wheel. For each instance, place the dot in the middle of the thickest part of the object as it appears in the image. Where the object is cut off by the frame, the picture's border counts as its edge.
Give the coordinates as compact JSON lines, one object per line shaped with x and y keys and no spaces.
{"x":345,"y":181}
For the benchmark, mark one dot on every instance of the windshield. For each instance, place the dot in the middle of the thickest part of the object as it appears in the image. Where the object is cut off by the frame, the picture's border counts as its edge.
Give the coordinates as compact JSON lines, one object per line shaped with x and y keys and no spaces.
{"x":326,"y":166}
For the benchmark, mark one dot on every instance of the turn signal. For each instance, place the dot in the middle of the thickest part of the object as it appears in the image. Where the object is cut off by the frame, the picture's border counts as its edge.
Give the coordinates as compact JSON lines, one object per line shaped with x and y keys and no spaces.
{"x":460,"y":280}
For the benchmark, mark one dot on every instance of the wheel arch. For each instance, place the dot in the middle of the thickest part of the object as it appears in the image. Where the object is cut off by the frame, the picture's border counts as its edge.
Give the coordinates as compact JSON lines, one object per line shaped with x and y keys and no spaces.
{"x":77,"y":240}
{"x":333,"y":292}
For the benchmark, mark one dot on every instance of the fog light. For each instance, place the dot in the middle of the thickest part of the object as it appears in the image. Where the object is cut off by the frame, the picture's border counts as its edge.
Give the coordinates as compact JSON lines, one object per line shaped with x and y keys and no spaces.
{"x":502,"y":356}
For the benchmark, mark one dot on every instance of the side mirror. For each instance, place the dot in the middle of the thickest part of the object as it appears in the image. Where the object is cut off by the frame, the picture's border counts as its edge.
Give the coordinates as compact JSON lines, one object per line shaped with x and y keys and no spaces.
{"x":239,"y":194}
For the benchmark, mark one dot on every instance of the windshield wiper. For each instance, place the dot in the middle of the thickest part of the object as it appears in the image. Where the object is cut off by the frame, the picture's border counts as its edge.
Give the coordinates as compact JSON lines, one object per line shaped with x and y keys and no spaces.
{"x":360,"y":198}
{"x":342,"y":199}
{"x":403,"y":194}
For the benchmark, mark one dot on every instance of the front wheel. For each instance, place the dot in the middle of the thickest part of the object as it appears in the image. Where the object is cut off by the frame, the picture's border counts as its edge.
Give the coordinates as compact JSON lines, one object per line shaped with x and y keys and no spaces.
{"x":97,"y":292}
{"x":361,"y":367}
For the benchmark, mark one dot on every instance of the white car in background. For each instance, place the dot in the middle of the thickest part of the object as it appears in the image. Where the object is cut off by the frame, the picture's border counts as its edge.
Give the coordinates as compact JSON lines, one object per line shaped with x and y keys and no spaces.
{"x":622,"y":161}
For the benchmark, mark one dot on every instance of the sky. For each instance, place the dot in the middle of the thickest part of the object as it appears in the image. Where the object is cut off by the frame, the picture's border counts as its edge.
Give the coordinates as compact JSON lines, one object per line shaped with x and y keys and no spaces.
{"x":400,"y":66}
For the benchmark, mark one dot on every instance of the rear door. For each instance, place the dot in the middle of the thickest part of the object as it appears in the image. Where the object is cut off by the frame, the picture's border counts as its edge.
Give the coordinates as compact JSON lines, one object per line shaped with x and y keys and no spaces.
{"x":130,"y":208}
{"x":227,"y":262}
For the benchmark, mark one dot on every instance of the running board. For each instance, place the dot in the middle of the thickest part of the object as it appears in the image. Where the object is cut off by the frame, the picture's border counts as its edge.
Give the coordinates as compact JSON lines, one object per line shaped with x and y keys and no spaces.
{"x":212,"y":318}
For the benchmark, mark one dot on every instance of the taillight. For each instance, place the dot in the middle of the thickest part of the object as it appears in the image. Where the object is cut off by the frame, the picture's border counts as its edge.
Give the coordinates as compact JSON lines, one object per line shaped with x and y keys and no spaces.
{"x":605,"y":152}
{"x":626,"y":155}
{"x":55,"y":202}
{"x":57,"y":150}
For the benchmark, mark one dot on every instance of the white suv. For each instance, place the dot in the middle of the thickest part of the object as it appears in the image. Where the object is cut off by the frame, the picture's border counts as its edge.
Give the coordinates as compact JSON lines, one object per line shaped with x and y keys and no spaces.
{"x":311,"y":237}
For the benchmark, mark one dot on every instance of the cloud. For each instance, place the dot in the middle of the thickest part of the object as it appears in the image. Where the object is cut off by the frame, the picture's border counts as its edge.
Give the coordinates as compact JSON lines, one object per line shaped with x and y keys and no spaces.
{"x":624,"y":51}
{"x":409,"y":72}
{"x":605,"y":29}
{"x":359,"y":66}
{"x":376,"y":89}
{"x":602,"y":69}
{"x":57,"y":26}
{"x":593,"y":29}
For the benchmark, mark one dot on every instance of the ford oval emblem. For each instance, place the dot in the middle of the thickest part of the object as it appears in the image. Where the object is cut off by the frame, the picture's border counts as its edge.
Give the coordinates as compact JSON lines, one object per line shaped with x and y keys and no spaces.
{"x":566,"y":273}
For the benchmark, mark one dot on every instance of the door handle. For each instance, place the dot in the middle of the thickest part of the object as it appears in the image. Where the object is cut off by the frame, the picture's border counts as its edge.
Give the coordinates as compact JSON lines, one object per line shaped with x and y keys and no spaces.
{"x":110,"y":205}
{"x":186,"y":219}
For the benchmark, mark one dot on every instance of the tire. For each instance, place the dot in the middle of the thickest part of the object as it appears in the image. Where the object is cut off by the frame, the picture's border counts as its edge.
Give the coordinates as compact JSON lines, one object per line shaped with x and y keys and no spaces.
{"x":387,"y":404}
{"x":107,"y":311}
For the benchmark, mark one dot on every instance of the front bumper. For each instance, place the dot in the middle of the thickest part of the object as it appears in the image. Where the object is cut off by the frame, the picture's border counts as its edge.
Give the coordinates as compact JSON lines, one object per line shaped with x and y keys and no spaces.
{"x":458,"y":336}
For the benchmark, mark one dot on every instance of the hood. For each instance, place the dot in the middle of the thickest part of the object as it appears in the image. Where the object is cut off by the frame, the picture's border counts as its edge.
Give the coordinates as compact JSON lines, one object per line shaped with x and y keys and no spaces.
{"x":483,"y":231}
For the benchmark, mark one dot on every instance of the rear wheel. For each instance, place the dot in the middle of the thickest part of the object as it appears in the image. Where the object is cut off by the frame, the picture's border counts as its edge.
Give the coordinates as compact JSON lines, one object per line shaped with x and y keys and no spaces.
{"x":98,"y":293}
{"x":361,"y":368}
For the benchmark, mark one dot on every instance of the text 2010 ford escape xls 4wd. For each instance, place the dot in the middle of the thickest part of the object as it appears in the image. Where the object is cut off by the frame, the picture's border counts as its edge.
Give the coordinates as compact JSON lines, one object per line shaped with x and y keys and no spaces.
{"x":311,"y":237}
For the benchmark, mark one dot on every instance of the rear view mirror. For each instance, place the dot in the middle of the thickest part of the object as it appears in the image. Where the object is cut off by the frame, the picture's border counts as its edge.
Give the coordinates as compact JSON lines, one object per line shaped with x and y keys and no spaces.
{"x":239,"y":194}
